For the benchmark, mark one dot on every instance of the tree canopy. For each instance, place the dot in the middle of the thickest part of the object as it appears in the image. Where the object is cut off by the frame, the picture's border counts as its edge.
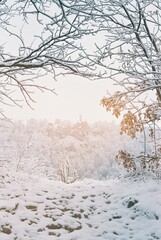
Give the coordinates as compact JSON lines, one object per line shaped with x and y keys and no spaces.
{"x":41,"y":37}
{"x":95,"y":39}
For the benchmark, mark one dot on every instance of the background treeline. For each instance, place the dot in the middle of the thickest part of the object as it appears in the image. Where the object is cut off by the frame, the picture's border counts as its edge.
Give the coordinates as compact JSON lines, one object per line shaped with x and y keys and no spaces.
{"x":69,"y":151}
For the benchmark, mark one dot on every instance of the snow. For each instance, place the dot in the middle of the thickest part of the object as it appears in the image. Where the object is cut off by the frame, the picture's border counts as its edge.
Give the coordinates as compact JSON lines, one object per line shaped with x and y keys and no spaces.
{"x":86,"y":150}
{"x":38,"y":208}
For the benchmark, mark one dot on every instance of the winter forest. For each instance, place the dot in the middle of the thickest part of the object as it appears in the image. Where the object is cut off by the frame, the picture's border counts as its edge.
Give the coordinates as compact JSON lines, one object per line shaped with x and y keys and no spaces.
{"x":75,"y":180}
{"x":66,"y":151}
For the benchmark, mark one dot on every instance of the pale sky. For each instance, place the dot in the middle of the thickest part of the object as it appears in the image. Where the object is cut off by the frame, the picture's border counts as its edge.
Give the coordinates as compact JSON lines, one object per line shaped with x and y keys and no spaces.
{"x":75,"y":96}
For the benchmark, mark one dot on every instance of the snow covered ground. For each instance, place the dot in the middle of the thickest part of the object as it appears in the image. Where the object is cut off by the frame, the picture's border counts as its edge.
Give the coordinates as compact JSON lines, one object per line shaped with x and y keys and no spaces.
{"x":34,"y":208}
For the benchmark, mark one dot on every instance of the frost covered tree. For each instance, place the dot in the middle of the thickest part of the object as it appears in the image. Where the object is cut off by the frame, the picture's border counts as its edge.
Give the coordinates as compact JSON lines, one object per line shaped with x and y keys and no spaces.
{"x":132,"y":57}
{"x":52,"y":37}
{"x":132,"y":54}
{"x":38,"y":38}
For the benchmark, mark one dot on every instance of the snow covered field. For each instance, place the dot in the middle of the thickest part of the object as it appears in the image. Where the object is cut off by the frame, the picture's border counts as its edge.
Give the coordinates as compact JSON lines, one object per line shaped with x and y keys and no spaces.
{"x":34,"y":208}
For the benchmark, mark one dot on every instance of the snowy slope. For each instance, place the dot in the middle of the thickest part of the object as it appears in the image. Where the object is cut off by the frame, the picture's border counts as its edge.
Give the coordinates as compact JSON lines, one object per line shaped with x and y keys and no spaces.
{"x":33,"y":208}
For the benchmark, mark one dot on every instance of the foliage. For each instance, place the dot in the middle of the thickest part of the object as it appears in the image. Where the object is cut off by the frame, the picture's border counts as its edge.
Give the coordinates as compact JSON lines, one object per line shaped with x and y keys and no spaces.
{"x":127,"y":160}
{"x":132,"y":54}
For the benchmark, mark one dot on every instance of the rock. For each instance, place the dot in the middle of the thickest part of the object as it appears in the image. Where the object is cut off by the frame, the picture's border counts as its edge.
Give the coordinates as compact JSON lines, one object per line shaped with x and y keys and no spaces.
{"x":131,"y":202}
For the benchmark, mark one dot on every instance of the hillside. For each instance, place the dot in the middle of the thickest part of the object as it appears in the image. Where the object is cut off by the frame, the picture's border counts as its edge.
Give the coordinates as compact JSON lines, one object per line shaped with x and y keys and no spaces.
{"x":34,"y":208}
{"x":88,"y":150}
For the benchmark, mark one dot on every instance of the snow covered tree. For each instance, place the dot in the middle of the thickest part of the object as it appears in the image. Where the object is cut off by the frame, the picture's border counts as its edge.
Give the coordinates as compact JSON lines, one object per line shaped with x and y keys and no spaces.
{"x":38,"y":38}
{"x":50,"y":37}
{"x":132,"y":56}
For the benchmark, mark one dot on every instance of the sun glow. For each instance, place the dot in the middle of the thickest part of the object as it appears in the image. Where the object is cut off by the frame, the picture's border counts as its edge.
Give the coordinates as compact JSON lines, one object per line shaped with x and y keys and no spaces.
{"x":75,"y":97}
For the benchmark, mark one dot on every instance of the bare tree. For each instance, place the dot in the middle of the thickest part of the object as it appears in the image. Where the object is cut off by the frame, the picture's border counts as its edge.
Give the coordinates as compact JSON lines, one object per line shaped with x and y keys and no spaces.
{"x":38,"y":38}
